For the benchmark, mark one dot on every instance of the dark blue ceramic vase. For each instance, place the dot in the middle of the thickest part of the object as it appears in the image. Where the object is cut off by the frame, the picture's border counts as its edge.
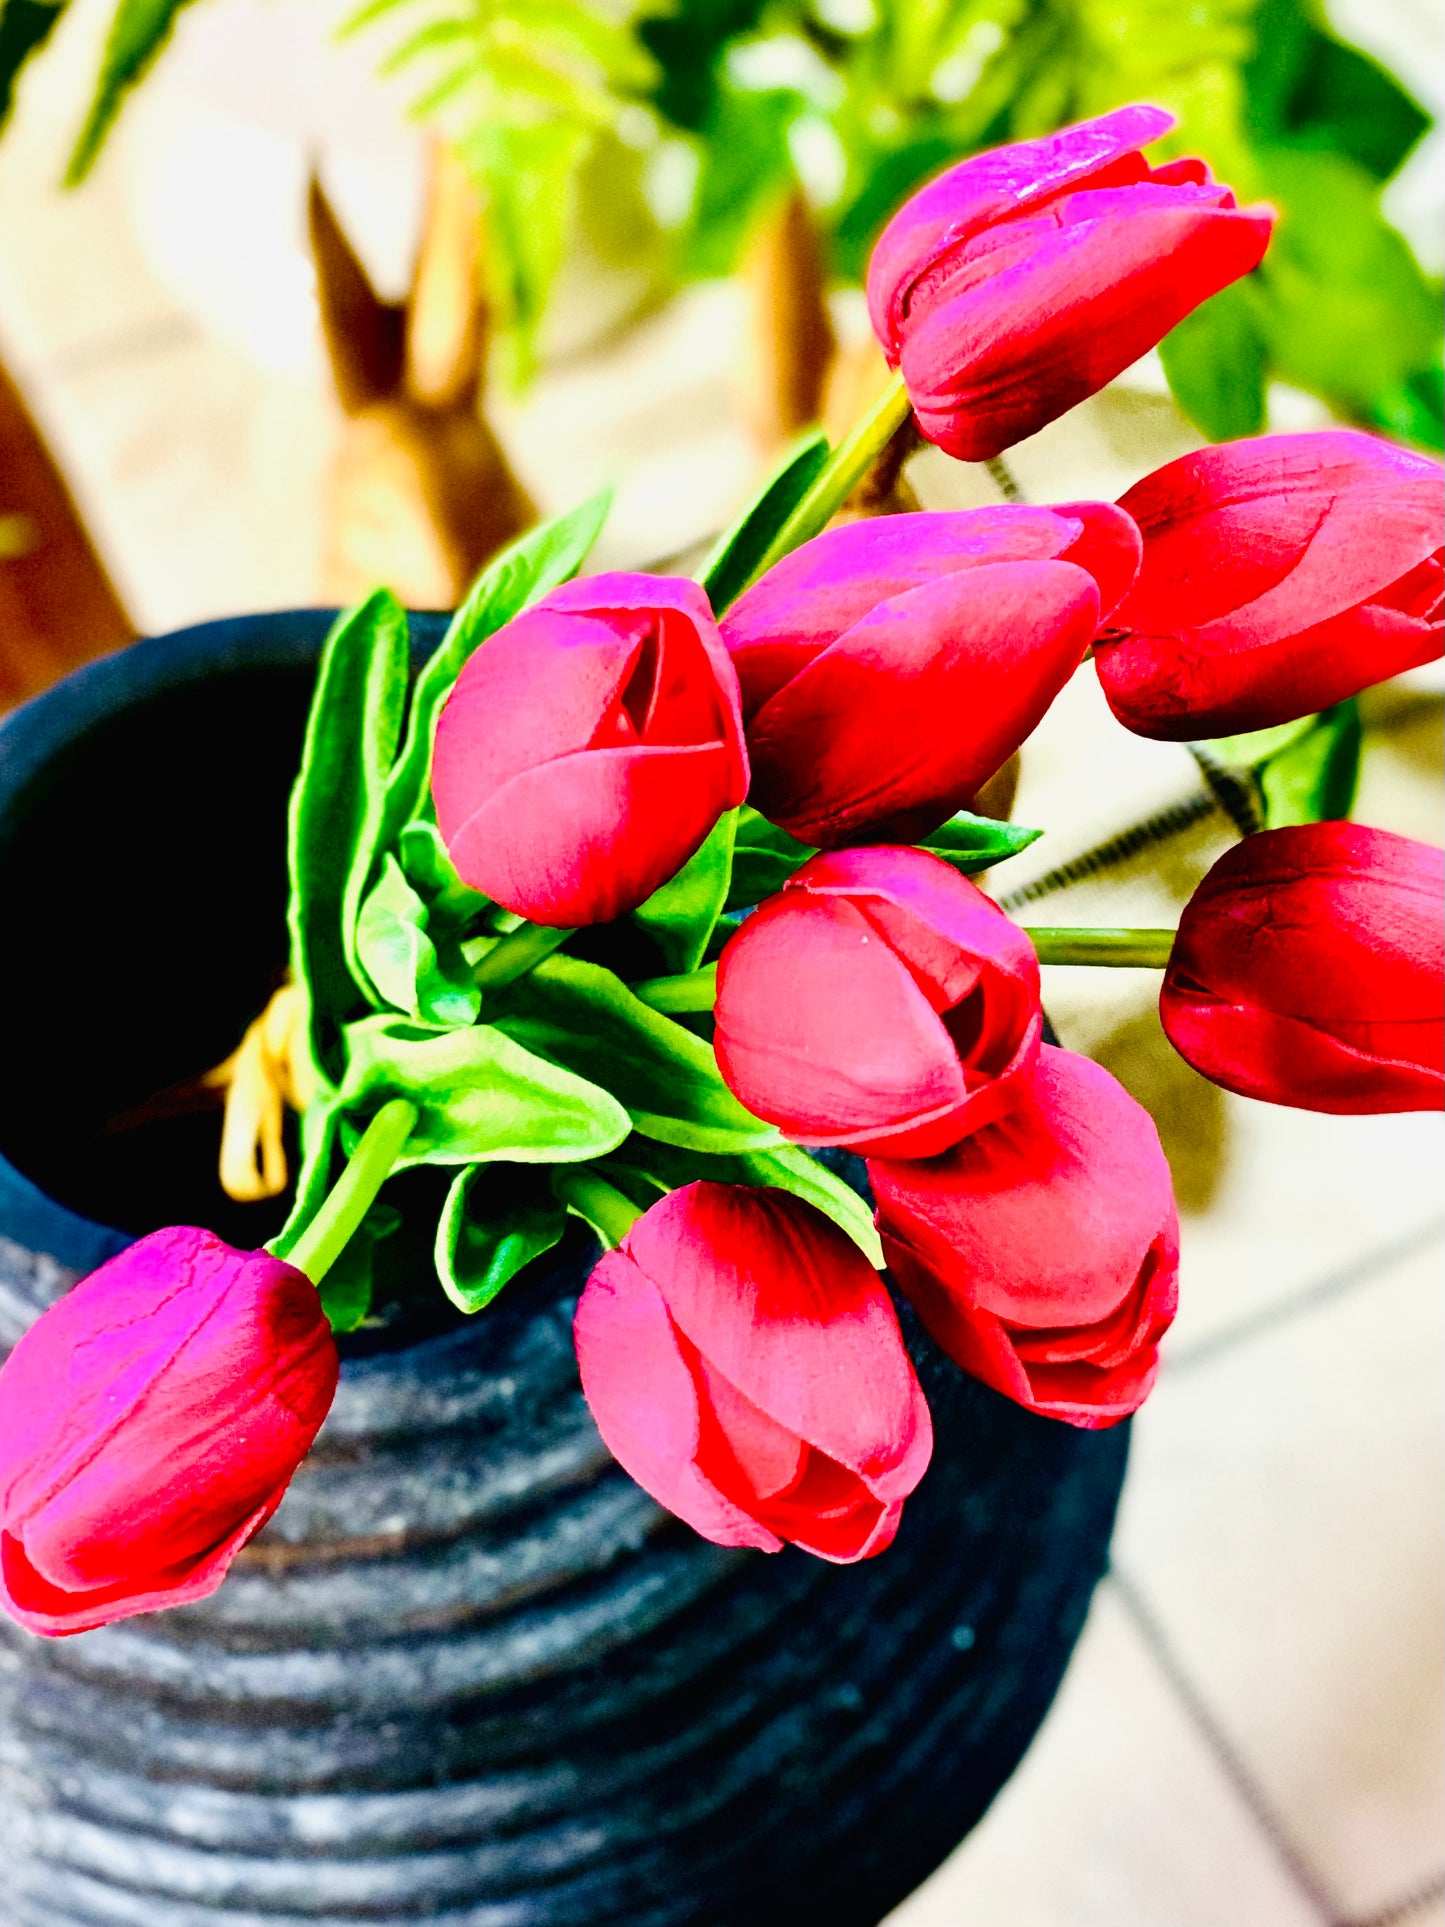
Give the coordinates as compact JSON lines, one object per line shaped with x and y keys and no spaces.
{"x":470,"y":1675}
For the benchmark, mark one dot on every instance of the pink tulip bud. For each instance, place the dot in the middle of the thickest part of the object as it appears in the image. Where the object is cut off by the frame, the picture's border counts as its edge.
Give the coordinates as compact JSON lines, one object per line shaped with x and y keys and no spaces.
{"x":1280,"y":575}
{"x":1024,"y":279}
{"x":588,"y":748}
{"x":1043,"y":1252}
{"x":889,"y":667}
{"x":743,"y":1362}
{"x":879,"y":1001}
{"x":1309,"y":970}
{"x":150,"y":1423}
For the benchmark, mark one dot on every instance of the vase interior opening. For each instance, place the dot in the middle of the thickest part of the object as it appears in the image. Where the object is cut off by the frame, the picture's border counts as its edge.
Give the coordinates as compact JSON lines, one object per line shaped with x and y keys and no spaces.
{"x":145,"y":879}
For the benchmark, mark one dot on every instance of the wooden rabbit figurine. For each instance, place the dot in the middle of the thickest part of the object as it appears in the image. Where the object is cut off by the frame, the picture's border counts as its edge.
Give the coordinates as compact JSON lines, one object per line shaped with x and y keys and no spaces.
{"x":420,"y":492}
{"x":57,"y":605}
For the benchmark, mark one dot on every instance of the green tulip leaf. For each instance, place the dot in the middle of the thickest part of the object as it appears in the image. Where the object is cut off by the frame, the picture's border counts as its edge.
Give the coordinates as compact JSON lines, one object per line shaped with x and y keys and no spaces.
{"x":479,"y":1095}
{"x":430,"y":872}
{"x":350,"y":739}
{"x":541,"y":560}
{"x":396,"y":949}
{"x":1217,"y":362}
{"x":764,"y":857}
{"x":579,"y":1016}
{"x":1304,"y":771}
{"x":680,"y":917}
{"x":490,"y":1230}
{"x":346,"y":1289}
{"x":320,"y":1125}
{"x":643,"y":1169}
{"x":971,"y":843}
{"x":740,"y":549}
{"x":1313,"y":778}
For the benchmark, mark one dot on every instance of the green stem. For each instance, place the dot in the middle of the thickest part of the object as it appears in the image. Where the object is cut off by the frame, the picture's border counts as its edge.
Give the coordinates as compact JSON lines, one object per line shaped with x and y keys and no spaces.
{"x":839,"y":475}
{"x":514,"y":955}
{"x":1143,"y":949}
{"x":693,"y":990}
{"x":350,"y":1198}
{"x":602,"y":1205}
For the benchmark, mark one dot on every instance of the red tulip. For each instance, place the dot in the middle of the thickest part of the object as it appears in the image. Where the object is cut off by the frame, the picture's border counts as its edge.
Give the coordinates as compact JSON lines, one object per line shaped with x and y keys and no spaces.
{"x":1309,"y":970}
{"x":889,"y":667}
{"x":879,"y":1001}
{"x":1023,"y":280}
{"x":149,"y":1425}
{"x":588,"y":748}
{"x":743,"y":1362}
{"x":1043,"y":1252}
{"x":1280,"y":576}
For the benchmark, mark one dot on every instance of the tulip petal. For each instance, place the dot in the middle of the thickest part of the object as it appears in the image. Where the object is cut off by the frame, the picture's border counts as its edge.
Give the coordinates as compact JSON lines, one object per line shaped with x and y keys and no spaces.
{"x":937,"y":921}
{"x":1044,"y":1218}
{"x":42,"y":1606}
{"x":1294,"y":528}
{"x":1109,"y":546}
{"x":1258,"y":556}
{"x":587,"y":838}
{"x":505,"y":715}
{"x":996,"y":362}
{"x":854,"y":1052}
{"x":788,"y":1310}
{"x":806,"y":601}
{"x":643,"y":1398}
{"x":150,"y":1422}
{"x":1284,"y":1060}
{"x":895,"y":726}
{"x":989,"y":187}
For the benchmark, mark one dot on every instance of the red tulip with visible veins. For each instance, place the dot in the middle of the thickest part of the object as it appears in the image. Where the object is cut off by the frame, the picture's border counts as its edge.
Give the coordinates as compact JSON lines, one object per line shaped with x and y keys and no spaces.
{"x":878,"y":1001}
{"x":1280,"y":575}
{"x":588,"y":748}
{"x":889,"y":667}
{"x":1043,"y":1251}
{"x":743,"y":1362}
{"x":1025,"y":278}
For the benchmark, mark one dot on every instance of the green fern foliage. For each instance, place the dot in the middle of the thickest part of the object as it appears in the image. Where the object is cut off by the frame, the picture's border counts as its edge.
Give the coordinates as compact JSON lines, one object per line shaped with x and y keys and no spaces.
{"x":524,"y":89}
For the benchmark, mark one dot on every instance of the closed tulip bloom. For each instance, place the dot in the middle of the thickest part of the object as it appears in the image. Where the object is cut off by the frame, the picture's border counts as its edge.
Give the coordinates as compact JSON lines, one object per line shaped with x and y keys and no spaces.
{"x":889,"y":667}
{"x":1309,"y":970}
{"x":1043,"y":1252}
{"x":878,"y":1001}
{"x":150,"y":1422}
{"x":1280,"y":575}
{"x":1024,"y":279}
{"x":588,"y":748}
{"x":743,"y":1362}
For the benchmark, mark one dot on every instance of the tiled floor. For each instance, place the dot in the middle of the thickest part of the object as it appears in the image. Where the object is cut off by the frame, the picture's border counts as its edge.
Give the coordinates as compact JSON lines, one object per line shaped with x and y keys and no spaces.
{"x":1250,"y":1735}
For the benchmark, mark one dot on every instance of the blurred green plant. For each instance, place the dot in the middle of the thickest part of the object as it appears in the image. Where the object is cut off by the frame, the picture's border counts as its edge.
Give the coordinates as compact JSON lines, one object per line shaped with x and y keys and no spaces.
{"x":732,"y":101}
{"x":861,"y":100}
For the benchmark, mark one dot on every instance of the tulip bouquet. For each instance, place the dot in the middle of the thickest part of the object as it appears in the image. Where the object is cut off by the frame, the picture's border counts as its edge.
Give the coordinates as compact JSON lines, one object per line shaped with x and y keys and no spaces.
{"x":646,"y":906}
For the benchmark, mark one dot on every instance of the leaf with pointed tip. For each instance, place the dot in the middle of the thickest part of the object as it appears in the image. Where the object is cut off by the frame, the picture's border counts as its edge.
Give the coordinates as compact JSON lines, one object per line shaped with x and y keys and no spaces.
{"x":681,"y":915}
{"x":431,"y":983}
{"x":579,"y":1015}
{"x":479,"y":1095}
{"x":740,"y":549}
{"x":483,"y":1241}
{"x":350,"y":739}
{"x":138,"y":31}
{"x":972,"y":843}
